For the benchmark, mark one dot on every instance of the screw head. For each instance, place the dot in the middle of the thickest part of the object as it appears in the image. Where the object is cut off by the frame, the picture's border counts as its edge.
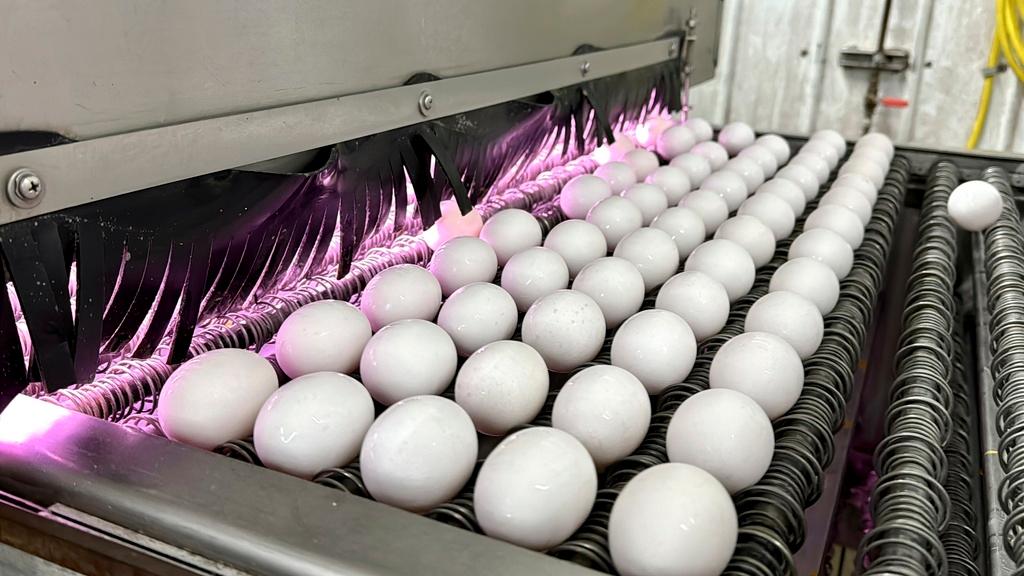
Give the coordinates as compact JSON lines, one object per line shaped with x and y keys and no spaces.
{"x":25,"y":188}
{"x":426,"y":102}
{"x":585,"y":68}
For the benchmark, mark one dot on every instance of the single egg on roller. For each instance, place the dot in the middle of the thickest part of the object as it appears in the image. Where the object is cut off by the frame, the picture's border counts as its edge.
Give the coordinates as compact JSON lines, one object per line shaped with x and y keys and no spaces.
{"x":822,"y":150}
{"x":501,"y":386}
{"x":478,"y":314}
{"x":607,"y":409}
{"x":618,"y":175}
{"x":408,"y":358}
{"x":650,"y":199}
{"x":643,"y":162}
{"x":747,"y":169}
{"x":709,"y":205}
{"x":616,"y":218}
{"x":675,"y":141}
{"x":215,"y":397}
{"x":419,"y":453}
{"x":764,"y":367}
{"x":729,"y":185}
{"x":656,"y":346}
{"x":858,"y":182}
{"x":763,"y":157}
{"x":727,"y":263}
{"x":533,"y":273}
{"x":875,"y":155}
{"x":788,"y":191}
{"x":850,"y":199}
{"x":535,"y":489}
{"x":461,"y":261}
{"x":735,"y":136}
{"x":839,"y":219}
{"x":777,"y":145}
{"x":751,"y":234}
{"x":315,"y":422}
{"x":684,"y":226}
{"x":716,"y":155}
{"x":673,"y":181}
{"x":401,"y":292}
{"x":672,"y":519}
{"x":578,"y":243}
{"x":649,"y":132}
{"x":698,"y":299}
{"x":566,"y":327}
{"x":654,"y":254}
{"x":975,"y":205}
{"x":815,"y":164}
{"x":615,"y":285}
{"x":328,"y":335}
{"x":826,"y":247}
{"x":701,"y":128}
{"x":802,"y":177}
{"x":724,"y":433}
{"x":789,"y":316}
{"x":772,"y":211}
{"x":867,"y":168}
{"x":833,"y":139}
{"x":452,"y":224}
{"x":697,"y":167}
{"x":581,"y":193}
{"x":810,"y":279}
{"x":511,"y":231}
{"x":877,"y":140}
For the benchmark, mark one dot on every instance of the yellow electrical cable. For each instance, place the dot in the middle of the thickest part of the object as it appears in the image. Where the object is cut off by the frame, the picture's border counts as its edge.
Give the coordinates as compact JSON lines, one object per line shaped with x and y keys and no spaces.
{"x":1006,"y":43}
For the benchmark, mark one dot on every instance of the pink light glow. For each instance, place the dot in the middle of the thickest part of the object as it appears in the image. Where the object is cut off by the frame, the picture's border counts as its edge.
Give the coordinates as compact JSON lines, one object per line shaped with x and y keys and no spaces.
{"x":643,"y":135}
{"x":27,"y":418}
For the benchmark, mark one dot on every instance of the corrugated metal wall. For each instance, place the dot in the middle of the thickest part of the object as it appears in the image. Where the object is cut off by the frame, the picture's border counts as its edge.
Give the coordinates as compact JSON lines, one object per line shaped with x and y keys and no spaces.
{"x":778,"y":69}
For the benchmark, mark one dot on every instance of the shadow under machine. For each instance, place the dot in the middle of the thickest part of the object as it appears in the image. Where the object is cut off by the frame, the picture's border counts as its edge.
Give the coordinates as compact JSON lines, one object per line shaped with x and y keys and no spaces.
{"x":182,"y":176}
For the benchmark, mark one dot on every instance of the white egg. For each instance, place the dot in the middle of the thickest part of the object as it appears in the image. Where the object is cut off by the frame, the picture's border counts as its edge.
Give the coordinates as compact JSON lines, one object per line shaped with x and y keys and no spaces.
{"x":711,"y":208}
{"x":802,"y":177}
{"x":724,"y":433}
{"x":616,"y":218}
{"x":656,"y":346}
{"x":419,"y":453}
{"x":478,"y":314}
{"x":643,"y":162}
{"x":788,"y":191}
{"x":833,"y":139}
{"x":328,"y":335}
{"x":452,"y":224}
{"x":815,"y":164}
{"x":607,"y":409}
{"x":534,"y":273}
{"x":771,"y":210}
{"x":654,"y":254}
{"x":838,"y":219}
{"x":408,"y":358}
{"x":810,"y":279}
{"x":850,"y":199}
{"x":581,"y":193}
{"x":975,"y":205}
{"x":462,"y":261}
{"x":727,"y":263}
{"x":401,"y":292}
{"x":859,"y":182}
{"x":535,"y":489}
{"x":697,"y":167}
{"x":877,"y":140}
{"x":789,"y":316}
{"x":762,"y":366}
{"x":618,"y":175}
{"x":729,"y":185}
{"x":701,"y":128}
{"x":684,"y":226}
{"x":698,"y":299}
{"x":751,"y":234}
{"x":615,"y":285}
{"x":764,"y":158}
{"x":566,"y":327}
{"x":735,"y":136}
{"x":715,"y":154}
{"x":867,"y":168}
{"x":614,"y":151}
{"x":647,"y":134}
{"x":675,"y":141}
{"x":777,"y":145}
{"x":650,"y":199}
{"x":747,"y":169}
{"x":672,"y":519}
{"x":578,"y":243}
{"x":501,"y":386}
{"x":215,"y":397}
{"x":826,"y":247}
{"x":313,"y":423}
{"x":510,"y":232}
{"x":875,"y":155}
{"x":673,"y":181}
{"x":822,"y":150}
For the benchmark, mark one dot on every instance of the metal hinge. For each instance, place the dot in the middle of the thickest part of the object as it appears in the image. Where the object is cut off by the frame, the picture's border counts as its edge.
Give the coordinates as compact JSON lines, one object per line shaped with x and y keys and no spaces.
{"x":888,"y":60}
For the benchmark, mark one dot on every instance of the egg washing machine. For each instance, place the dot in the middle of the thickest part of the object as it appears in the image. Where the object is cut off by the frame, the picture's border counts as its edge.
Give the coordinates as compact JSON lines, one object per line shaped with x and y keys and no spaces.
{"x":180,"y":176}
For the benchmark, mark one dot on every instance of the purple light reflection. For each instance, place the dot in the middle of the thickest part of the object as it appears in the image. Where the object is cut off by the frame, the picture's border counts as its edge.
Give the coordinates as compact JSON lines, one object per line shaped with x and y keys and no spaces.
{"x":26,"y":419}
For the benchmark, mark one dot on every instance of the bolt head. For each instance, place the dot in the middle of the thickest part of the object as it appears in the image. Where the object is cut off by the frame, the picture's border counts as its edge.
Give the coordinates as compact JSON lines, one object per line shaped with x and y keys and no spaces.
{"x":29,"y":186}
{"x":584,"y":68}
{"x":428,"y":101}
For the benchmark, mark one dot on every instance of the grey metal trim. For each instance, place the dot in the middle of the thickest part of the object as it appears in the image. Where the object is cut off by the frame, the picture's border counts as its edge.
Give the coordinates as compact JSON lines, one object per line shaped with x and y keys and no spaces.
{"x":256,"y":520}
{"x":91,"y":170}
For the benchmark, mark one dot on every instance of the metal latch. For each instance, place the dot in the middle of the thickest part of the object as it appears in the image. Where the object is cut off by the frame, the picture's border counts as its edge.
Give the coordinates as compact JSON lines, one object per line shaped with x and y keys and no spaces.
{"x":887,"y":60}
